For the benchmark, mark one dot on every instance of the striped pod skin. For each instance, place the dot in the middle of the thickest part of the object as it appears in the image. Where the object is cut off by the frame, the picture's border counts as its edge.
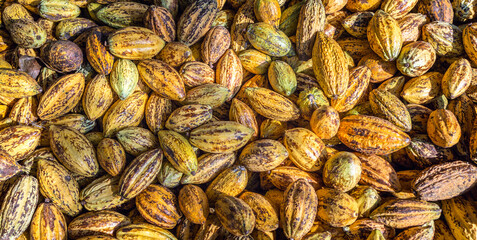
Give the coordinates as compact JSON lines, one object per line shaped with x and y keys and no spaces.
{"x":95,"y":105}
{"x":97,"y":54}
{"x":229,"y":72}
{"x":178,"y":151}
{"x":263,"y":155}
{"x":111,"y":156}
{"x":96,"y":223}
{"x":162,"y":79}
{"x":220,"y":136}
{"x":390,"y":107}
{"x":196,"y":73}
{"x":311,"y":20}
{"x":235,"y":215}
{"x":211,"y":94}
{"x":17,"y":84}
{"x":158,"y":205}
{"x":161,"y":21}
{"x":140,"y":173}
{"x":416,"y":58}
{"x":267,"y":39}
{"x":384,"y":36}
{"x":124,"y":113}
{"x":48,"y":223}
{"x":461,"y":216}
{"x":137,"y":140}
{"x":188,"y":117}
{"x":266,"y":218}
{"x":19,"y":141}
{"x":143,"y":230}
{"x":196,"y":20}
{"x":271,"y":104}
{"x":444,"y":181}
{"x":336,"y":208}
{"x":371,"y":135}
{"x":135,"y":43}
{"x":57,"y":184}
{"x":208,"y":167}
{"x":404,"y":213}
{"x":329,"y":65}
{"x":53,"y":105}
{"x":73,"y":150}
{"x":101,"y":194}
{"x":18,"y":207}
{"x":215,"y":43}
{"x":194,"y":204}
{"x":122,"y":14}
{"x":232,"y":181}
{"x":378,"y":173}
{"x":245,"y":15}
{"x":298,"y":209}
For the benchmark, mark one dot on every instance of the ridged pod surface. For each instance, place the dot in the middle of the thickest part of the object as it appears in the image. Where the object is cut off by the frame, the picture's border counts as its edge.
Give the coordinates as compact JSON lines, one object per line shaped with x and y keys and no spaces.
{"x":8,"y":166}
{"x":444,"y":181}
{"x":136,"y":140}
{"x":271,"y":104}
{"x":266,"y":218}
{"x":390,"y":107}
{"x":298,"y":209}
{"x":208,"y":167}
{"x":263,"y":155}
{"x":95,"y":105}
{"x":57,"y":184}
{"x":359,"y":78}
{"x":404,"y":213}
{"x":232,"y":181}
{"x":305,"y":148}
{"x":160,"y":21}
{"x":229,"y":72}
{"x":135,"y":43}
{"x":457,"y":78}
{"x":122,"y":14}
{"x":124,"y":113}
{"x":19,"y":141}
{"x":194,"y":204}
{"x":73,"y":150}
{"x":140,"y":173}
{"x":461,"y":217}
{"x":235,"y":215}
{"x":102,"y":194}
{"x":215,"y":43}
{"x":329,"y":66}
{"x":143,"y":230}
{"x":310,"y":21}
{"x":265,"y":38}
{"x":96,"y":223}
{"x":416,"y":58}
{"x":220,"y":136}
{"x":158,"y":205}
{"x":97,"y":54}
{"x":336,"y":208}
{"x":111,"y":156}
{"x":196,"y":20}
{"x":18,"y":207}
{"x":162,"y":79}
{"x":15,"y":84}
{"x":384,"y":36}
{"x":178,"y":151}
{"x":371,"y":135}
{"x":48,"y":222}
{"x":53,"y":105}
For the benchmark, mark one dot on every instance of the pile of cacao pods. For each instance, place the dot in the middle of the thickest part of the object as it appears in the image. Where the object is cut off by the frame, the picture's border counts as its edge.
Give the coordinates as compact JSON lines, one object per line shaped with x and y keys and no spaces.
{"x":238,"y":119}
